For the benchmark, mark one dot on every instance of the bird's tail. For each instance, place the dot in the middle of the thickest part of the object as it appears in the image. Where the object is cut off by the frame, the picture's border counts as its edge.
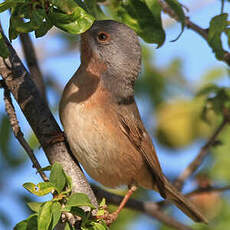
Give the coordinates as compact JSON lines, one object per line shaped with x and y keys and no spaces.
{"x":183,"y":203}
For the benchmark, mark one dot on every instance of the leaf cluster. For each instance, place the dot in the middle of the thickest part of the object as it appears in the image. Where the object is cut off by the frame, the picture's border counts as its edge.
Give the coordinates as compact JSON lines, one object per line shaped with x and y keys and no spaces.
{"x":76,"y":16}
{"x":41,"y":15}
{"x":49,"y":213}
{"x":217,"y":99}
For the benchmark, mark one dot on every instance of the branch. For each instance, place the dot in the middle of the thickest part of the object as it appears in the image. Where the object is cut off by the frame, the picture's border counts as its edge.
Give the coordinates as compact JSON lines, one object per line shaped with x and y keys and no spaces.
{"x":149,"y":208}
{"x":31,"y":60}
{"x":201,"y":31}
{"x":37,"y":113}
{"x":208,"y":189}
{"x":18,"y":133}
{"x":178,"y":183}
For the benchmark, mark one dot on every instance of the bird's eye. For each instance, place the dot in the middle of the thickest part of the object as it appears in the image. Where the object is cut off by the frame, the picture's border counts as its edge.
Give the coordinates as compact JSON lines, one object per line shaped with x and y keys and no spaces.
{"x":102,"y":37}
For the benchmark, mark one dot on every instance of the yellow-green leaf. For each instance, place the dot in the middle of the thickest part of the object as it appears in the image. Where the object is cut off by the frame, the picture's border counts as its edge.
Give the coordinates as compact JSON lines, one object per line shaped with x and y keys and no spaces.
{"x":34,"y":206}
{"x":40,"y":189}
{"x":78,"y":200}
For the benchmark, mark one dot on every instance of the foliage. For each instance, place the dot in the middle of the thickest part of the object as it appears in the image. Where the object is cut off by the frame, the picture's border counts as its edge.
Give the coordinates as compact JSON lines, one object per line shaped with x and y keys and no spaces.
{"x":184,"y":111}
{"x":76,"y":16}
{"x":48,"y":214}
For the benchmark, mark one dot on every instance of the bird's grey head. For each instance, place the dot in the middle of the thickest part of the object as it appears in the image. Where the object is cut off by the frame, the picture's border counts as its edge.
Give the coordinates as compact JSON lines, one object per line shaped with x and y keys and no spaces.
{"x":117,"y":47}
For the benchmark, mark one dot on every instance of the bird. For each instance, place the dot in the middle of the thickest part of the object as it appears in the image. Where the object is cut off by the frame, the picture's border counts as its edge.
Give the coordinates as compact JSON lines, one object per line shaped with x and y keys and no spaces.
{"x":101,"y":120}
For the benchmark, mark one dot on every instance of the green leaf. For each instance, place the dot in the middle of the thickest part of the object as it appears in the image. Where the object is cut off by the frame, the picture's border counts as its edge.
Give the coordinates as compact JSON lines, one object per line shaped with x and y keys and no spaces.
{"x":78,"y":200}
{"x":4,"y":52}
{"x":58,"y":17}
{"x":78,"y":212}
{"x":32,"y":222}
{"x":145,"y":18}
{"x":21,"y":225}
{"x":103,"y":202}
{"x":17,"y":24}
{"x":45,"y":216}
{"x":178,"y":10}
{"x":29,"y":224}
{"x":207,"y":90}
{"x":56,"y":213}
{"x":79,"y":21}
{"x":20,"y":26}
{"x":81,"y":4}
{"x":227,"y":32}
{"x":40,"y":189}
{"x":12,"y":30}
{"x":67,"y":6}
{"x":68,"y":226}
{"x":37,"y":17}
{"x":217,"y":26}
{"x":69,"y":182}
{"x":57,"y":177}
{"x":93,"y":9}
{"x":9,"y":4}
{"x":98,"y":226}
{"x":35,"y":206}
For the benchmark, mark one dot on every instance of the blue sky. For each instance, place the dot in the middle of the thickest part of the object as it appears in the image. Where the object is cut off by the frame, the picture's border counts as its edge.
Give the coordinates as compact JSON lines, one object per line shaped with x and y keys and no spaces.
{"x":190,"y":47}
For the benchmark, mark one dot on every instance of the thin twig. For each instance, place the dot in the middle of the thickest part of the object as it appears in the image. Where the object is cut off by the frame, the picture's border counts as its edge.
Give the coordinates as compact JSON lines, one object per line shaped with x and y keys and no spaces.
{"x":40,"y":118}
{"x":208,"y":189}
{"x":31,"y":60}
{"x":2,"y":84}
{"x":196,"y":28}
{"x":18,"y":133}
{"x":203,"y":32}
{"x":197,"y":191}
{"x":199,"y":158}
{"x":149,"y":208}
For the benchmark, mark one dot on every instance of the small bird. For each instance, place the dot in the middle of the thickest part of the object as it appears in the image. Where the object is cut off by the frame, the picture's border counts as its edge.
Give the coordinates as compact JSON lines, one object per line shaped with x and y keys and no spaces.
{"x":101,"y":120}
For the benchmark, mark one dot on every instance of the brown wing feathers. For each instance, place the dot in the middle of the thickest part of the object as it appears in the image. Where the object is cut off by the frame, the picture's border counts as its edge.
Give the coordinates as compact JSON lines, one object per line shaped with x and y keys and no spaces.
{"x":142,"y":142}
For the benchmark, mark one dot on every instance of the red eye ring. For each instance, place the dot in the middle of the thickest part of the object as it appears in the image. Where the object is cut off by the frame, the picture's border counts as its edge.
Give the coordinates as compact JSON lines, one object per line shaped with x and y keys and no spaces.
{"x":102,"y":36}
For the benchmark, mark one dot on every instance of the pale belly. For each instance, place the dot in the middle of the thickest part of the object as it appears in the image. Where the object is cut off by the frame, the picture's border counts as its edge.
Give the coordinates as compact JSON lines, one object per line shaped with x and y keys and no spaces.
{"x":100,"y":146}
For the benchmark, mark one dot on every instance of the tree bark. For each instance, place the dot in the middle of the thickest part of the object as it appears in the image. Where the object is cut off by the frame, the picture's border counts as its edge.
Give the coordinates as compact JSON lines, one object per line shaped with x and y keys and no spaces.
{"x":41,"y":120}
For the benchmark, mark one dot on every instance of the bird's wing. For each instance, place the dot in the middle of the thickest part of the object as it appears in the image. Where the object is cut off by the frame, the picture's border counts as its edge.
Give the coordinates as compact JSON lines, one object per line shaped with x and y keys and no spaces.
{"x":133,"y":128}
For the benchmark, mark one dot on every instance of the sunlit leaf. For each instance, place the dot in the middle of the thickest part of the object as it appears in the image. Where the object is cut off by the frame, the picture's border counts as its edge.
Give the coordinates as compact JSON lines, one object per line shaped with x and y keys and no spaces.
{"x":56,"y":213}
{"x":98,"y":226}
{"x":45,"y":216}
{"x":79,"y":21}
{"x":68,"y":227}
{"x":40,"y":189}
{"x":57,"y":177}
{"x":78,"y":200}
{"x":34,"y":206}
